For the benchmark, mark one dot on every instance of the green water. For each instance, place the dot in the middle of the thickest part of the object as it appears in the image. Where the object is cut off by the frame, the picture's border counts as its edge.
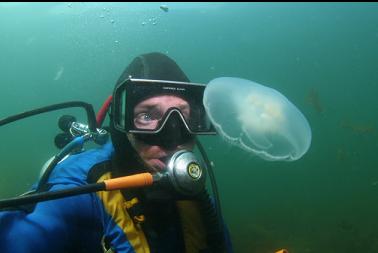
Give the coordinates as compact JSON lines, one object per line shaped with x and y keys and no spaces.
{"x":322,"y":56}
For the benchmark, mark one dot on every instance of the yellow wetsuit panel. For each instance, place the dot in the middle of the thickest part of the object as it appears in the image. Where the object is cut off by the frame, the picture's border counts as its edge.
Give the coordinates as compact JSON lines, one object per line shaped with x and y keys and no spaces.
{"x":115,"y":205}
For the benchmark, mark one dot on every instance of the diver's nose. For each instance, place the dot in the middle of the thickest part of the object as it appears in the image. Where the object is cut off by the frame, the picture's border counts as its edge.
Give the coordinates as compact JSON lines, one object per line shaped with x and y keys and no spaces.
{"x":175,"y":133}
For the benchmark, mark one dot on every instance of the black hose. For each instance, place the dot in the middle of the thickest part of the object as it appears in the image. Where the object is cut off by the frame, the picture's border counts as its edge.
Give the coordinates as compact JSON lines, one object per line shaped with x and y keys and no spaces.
{"x":12,"y":203}
{"x":215,"y":236}
{"x":46,"y":174}
{"x":91,"y":116}
{"x":88,"y":108}
{"x":212,"y":180}
{"x":213,"y":219}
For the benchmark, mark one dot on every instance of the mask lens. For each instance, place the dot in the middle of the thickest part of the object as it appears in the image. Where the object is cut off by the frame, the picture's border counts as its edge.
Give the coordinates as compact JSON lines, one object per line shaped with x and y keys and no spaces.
{"x":122,"y":109}
{"x":198,"y":119}
{"x":138,"y":116}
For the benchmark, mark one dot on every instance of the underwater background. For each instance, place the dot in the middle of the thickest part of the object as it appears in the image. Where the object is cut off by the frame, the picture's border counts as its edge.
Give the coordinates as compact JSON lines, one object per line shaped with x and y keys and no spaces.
{"x":322,"y":56}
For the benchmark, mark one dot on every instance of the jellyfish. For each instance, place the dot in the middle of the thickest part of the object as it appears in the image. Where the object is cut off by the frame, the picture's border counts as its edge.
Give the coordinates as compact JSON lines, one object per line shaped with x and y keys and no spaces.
{"x":257,"y":119}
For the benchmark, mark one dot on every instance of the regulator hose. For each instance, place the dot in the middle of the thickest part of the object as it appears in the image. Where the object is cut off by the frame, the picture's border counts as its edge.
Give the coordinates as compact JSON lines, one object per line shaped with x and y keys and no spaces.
{"x":214,"y":229}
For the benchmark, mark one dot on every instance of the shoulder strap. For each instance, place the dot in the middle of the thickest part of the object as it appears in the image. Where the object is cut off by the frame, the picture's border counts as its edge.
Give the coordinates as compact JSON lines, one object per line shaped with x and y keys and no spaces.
{"x":194,"y":231}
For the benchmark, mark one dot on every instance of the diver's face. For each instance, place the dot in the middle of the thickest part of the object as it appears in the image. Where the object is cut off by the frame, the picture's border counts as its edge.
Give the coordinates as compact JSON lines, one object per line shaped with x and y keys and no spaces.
{"x":147,"y":115}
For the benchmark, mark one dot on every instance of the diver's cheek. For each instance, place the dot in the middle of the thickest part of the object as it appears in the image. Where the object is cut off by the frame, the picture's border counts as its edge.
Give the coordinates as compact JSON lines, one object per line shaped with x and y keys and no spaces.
{"x":187,"y":146}
{"x":156,"y":164}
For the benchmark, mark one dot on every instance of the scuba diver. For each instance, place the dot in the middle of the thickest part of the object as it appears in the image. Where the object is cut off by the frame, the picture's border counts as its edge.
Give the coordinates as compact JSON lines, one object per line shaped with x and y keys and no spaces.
{"x":155,"y":112}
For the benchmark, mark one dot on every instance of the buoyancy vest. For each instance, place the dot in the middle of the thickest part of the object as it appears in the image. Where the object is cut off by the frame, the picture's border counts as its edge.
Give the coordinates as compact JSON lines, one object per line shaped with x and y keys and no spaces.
{"x":118,"y":208}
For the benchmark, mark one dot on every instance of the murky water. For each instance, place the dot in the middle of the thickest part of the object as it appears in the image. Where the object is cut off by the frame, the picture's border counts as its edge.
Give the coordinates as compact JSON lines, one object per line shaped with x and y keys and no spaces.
{"x":322,"y":56}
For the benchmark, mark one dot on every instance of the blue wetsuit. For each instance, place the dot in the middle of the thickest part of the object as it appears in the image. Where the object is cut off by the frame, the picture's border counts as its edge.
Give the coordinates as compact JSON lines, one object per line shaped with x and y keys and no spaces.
{"x":81,"y":223}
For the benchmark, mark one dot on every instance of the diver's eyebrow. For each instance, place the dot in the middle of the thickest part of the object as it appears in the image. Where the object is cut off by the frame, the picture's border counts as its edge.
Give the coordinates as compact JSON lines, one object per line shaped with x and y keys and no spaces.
{"x":183,"y":106}
{"x":147,"y":107}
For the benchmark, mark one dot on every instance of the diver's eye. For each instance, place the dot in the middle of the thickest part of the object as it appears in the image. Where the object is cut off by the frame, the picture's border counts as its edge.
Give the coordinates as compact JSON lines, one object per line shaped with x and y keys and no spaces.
{"x":147,"y":120}
{"x":143,"y":117}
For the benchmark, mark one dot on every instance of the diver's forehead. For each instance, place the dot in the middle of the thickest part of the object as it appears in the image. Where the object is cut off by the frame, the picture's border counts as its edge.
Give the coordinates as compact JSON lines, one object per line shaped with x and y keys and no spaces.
{"x":163,"y":100}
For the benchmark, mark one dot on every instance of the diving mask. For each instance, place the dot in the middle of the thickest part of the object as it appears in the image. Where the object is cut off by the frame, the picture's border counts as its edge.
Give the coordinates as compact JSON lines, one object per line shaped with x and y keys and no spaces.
{"x":130,"y":115}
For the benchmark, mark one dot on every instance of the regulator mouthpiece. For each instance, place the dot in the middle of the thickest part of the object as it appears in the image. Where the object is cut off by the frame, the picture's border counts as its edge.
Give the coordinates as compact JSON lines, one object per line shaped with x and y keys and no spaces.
{"x":186,"y":173}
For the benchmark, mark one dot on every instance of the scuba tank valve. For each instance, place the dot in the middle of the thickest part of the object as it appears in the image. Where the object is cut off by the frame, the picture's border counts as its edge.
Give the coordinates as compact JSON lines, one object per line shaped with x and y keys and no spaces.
{"x":72,"y":129}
